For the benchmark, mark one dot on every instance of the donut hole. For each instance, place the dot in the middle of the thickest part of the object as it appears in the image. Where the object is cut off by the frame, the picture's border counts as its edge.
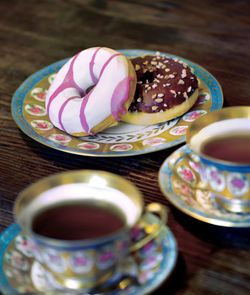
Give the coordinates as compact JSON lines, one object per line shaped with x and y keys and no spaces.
{"x":90,"y":88}
{"x":148,"y":77}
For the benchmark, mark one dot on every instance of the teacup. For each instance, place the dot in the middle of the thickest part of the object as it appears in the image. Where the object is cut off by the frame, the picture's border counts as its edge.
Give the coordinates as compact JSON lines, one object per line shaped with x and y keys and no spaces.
{"x":81,"y":222}
{"x":220,"y":142}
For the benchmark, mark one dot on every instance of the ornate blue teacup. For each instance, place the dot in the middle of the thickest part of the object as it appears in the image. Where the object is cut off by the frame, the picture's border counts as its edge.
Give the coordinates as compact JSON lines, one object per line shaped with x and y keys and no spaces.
{"x":81,"y":222}
{"x":220,"y":142}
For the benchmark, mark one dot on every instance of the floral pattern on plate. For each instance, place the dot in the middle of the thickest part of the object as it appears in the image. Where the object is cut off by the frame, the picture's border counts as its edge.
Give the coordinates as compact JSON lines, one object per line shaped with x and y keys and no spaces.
{"x":154,"y":141}
{"x":121,"y":147}
{"x":186,"y":173}
{"x":192,"y":116}
{"x":51,"y":78}
{"x":88,"y":145}
{"x":203,"y":98}
{"x":35,"y":110}
{"x":42,"y":125}
{"x":39,"y":93}
{"x":60,"y":138}
{"x":179,"y":130}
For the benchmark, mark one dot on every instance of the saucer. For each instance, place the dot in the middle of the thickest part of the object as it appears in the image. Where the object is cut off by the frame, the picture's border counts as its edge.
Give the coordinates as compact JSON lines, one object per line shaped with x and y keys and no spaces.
{"x":20,"y":273}
{"x":28,"y":110}
{"x":178,"y":187}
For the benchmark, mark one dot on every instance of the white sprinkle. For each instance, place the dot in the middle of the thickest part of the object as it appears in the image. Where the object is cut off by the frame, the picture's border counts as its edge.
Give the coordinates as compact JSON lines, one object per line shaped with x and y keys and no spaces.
{"x":185,"y":95}
{"x":146,"y":85}
{"x":165,"y":105}
{"x":154,"y":108}
{"x":154,"y":86}
{"x":139,"y":82}
{"x":137,"y":67}
{"x":172,"y":91}
{"x":139,"y":99}
{"x":159,"y":100}
{"x":181,"y":82}
{"x":166,"y":61}
{"x":160,"y":95}
{"x":167,"y":70}
{"x":145,"y":62}
{"x":171,"y":76}
{"x":154,"y":96}
{"x":192,"y":78}
{"x":183,"y":73}
{"x":161,"y":111}
{"x":153,"y":63}
{"x":156,"y":80}
{"x":189,"y":89}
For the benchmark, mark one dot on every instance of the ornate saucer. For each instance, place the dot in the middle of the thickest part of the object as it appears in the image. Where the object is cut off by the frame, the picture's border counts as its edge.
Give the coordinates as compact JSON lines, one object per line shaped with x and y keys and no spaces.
{"x":20,"y":273}
{"x":177,"y":178}
{"x":28,"y":110}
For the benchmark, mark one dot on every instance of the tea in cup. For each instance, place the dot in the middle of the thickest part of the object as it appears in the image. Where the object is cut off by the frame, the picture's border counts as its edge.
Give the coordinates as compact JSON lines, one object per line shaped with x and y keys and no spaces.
{"x":80,"y":223}
{"x":220,"y":141}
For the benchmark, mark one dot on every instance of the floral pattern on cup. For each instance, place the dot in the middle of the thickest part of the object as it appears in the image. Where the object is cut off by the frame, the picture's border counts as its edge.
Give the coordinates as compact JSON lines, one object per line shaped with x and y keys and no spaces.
{"x":216,"y":178}
{"x":51,"y":78}
{"x":35,"y":110}
{"x":16,"y":260}
{"x":25,"y":245}
{"x":54,"y":260}
{"x":121,"y":147}
{"x":39,"y":94}
{"x":203,"y":98}
{"x":81,"y":262}
{"x":196,"y":166}
{"x":41,"y":125}
{"x":60,"y":138}
{"x":105,"y":258}
{"x":186,"y":174}
{"x":178,"y":130}
{"x":237,"y":184}
{"x":151,"y":261}
{"x":192,"y":116}
{"x":88,"y":145}
{"x":154,"y":141}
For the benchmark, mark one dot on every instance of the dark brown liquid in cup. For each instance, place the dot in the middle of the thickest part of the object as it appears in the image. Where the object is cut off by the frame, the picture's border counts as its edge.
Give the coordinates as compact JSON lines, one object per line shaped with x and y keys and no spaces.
{"x":77,"y":222}
{"x":233,"y":148}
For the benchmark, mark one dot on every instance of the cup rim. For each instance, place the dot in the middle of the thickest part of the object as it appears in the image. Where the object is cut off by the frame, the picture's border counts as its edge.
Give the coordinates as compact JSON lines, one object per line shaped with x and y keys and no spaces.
{"x":77,"y":176}
{"x":227,"y":113}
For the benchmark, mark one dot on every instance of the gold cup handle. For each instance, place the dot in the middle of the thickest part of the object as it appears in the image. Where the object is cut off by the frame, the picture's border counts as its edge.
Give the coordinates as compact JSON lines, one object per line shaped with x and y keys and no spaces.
{"x":151,"y":230}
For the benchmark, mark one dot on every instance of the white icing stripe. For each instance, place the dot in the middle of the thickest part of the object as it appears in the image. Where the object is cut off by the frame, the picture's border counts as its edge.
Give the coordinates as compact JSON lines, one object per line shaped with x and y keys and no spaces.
{"x":98,"y":107}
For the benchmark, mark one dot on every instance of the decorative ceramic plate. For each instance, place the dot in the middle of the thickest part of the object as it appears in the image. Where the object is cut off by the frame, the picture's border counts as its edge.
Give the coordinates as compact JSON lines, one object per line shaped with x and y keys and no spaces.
{"x":28,"y":110}
{"x":178,"y":178}
{"x":21,"y":273}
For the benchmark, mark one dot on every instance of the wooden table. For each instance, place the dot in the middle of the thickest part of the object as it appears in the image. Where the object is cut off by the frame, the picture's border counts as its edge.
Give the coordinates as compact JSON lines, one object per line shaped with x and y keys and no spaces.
{"x":214,"y":34}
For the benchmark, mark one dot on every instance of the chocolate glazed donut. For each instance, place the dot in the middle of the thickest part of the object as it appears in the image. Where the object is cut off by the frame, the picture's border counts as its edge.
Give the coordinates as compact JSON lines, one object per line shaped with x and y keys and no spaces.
{"x":166,"y":89}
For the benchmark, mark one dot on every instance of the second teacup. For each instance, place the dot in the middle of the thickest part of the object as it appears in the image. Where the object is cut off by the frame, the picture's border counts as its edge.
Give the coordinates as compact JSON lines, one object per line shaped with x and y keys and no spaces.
{"x":220,"y":141}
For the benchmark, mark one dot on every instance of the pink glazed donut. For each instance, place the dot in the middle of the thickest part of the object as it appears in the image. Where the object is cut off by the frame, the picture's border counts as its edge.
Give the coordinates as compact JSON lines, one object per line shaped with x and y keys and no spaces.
{"x":91,"y":91}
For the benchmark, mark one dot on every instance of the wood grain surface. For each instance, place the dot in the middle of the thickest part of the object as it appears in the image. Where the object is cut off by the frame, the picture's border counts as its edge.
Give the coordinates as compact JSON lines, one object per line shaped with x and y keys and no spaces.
{"x":214,"y":34}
